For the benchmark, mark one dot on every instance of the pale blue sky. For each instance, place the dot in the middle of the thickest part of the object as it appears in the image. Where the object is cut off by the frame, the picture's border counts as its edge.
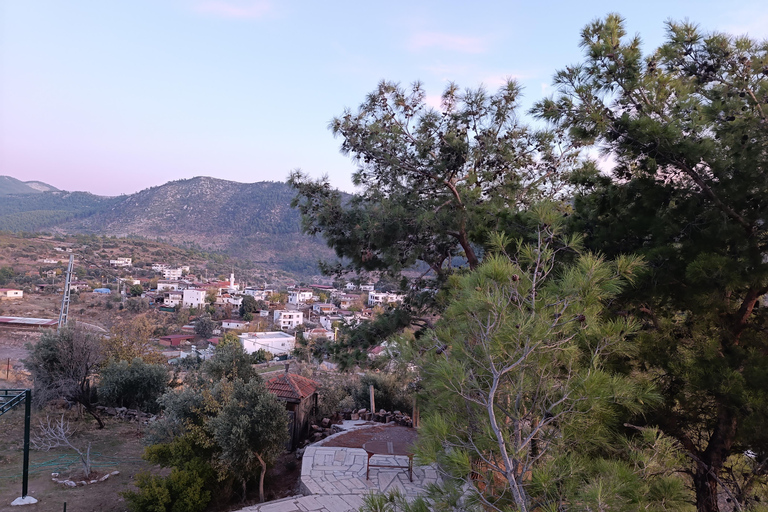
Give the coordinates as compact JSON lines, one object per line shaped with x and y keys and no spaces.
{"x":116,"y":96}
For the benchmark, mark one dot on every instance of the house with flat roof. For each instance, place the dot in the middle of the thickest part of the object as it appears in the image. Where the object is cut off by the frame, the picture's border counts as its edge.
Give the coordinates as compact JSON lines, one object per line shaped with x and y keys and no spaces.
{"x":278,"y":343}
{"x":11,"y":293}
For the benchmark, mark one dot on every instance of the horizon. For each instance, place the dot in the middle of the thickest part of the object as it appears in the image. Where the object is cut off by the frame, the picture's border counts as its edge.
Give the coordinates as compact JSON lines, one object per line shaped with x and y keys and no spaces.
{"x":114,"y":99}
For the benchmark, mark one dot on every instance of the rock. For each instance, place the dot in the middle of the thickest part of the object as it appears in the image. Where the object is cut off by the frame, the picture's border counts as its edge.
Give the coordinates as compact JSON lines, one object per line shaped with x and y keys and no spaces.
{"x":362,"y":411}
{"x":326,"y":422}
{"x":300,"y":453}
{"x":354,"y":416}
{"x":54,"y":474}
{"x":82,"y":483}
{"x":382,"y":411}
{"x":93,"y":481}
{"x":103,"y":478}
{"x":397,"y":413}
{"x":114,"y":473}
{"x":336,"y":429}
{"x":69,"y":483}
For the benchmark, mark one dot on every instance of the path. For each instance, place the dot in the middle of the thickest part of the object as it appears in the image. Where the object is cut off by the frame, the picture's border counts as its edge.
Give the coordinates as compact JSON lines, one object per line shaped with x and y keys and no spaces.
{"x":333,"y":480}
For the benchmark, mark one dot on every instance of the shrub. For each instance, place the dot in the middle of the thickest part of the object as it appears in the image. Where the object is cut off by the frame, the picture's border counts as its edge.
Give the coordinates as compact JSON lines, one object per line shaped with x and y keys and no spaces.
{"x":136,"y":384}
{"x":182,"y":491}
{"x":389,"y":393}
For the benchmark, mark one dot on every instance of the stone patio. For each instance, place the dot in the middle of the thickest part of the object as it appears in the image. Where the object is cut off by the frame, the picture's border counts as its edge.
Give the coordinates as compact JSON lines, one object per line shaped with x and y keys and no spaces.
{"x":333,"y":480}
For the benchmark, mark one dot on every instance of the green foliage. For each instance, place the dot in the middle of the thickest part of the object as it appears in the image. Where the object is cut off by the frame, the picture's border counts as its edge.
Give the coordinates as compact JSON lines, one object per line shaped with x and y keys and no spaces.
{"x":686,"y":125}
{"x":204,"y":326}
{"x":389,"y":392}
{"x":181,"y":491}
{"x":136,"y":290}
{"x":62,"y":365}
{"x":6,"y":275}
{"x":515,"y":373}
{"x":251,"y":429}
{"x":135,"y":384}
{"x":230,"y":360}
{"x":136,"y":305}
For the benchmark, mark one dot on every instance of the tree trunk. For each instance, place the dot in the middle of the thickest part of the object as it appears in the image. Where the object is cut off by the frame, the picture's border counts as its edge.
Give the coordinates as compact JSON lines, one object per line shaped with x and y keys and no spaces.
{"x":261,"y":478}
{"x":711,"y":462}
{"x":469,"y":252}
{"x":96,"y":416}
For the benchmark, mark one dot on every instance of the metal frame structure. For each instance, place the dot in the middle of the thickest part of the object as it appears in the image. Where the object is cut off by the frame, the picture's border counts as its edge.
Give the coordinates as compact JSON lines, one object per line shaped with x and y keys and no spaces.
{"x":10,"y":398}
{"x":64,"y":313}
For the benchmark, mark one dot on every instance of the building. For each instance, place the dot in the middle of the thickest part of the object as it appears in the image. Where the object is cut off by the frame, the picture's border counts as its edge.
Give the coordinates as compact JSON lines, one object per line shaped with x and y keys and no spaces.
{"x":121,"y":262}
{"x":320,"y":308}
{"x":173,"y":298}
{"x":288,"y":319}
{"x":346,"y":301}
{"x":11,"y":293}
{"x":319,"y":332}
{"x":278,"y":343}
{"x":300,"y":296}
{"x":368,"y":287}
{"x":300,"y":397}
{"x":103,"y":291}
{"x":165,"y":285}
{"x":172,"y":273}
{"x":193,"y":298}
{"x":383,"y":298}
{"x":176,"y":340}
{"x":232,"y":323}
{"x":258,"y":293}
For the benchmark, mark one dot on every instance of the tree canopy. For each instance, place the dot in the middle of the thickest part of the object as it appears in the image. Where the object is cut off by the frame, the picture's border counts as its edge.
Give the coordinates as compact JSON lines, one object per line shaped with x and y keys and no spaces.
{"x":686,"y":124}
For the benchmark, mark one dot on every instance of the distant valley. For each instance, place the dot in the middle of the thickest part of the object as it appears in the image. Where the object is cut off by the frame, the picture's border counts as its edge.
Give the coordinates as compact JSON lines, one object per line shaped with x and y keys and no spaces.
{"x":250,"y":221}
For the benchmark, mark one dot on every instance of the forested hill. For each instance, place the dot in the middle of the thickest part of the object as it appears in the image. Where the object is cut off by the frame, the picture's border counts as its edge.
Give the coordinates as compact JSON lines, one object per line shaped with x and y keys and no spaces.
{"x":200,"y":207}
{"x":253,"y":221}
{"x":10,"y":185}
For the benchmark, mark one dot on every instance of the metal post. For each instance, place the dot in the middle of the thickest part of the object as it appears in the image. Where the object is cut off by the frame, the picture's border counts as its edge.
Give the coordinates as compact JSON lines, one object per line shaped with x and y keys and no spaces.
{"x":27,"y":418}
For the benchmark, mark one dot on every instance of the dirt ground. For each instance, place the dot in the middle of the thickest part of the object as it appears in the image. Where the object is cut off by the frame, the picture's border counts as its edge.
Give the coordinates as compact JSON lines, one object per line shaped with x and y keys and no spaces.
{"x":117,"y":447}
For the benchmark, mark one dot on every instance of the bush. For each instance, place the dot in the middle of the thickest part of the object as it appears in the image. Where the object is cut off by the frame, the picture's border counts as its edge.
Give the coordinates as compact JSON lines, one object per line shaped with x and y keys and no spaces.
{"x":389,"y":393}
{"x":182,"y":491}
{"x":136,"y":384}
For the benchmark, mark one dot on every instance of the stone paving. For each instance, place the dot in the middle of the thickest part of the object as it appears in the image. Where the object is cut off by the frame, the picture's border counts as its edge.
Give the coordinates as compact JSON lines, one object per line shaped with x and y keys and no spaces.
{"x":333,"y":480}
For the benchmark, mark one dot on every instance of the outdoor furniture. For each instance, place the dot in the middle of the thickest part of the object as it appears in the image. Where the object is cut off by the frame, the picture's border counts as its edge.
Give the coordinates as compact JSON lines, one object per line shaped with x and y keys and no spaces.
{"x":394,"y":449}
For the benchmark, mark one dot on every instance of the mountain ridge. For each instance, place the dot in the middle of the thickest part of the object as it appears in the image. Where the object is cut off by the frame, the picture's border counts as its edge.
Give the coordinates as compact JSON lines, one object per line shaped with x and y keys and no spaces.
{"x":252,"y":221}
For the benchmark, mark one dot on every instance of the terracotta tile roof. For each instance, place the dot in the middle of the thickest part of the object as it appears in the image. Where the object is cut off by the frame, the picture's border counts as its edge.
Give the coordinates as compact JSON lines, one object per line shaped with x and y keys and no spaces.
{"x":289,"y":386}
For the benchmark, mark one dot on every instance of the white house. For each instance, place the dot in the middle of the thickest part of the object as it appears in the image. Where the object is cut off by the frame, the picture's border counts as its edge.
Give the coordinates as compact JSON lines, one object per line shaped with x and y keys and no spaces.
{"x":346,"y":301}
{"x":367,"y":287}
{"x":193,"y":298}
{"x":277,"y":342}
{"x":121,"y":262}
{"x":11,"y":293}
{"x":232,"y":323}
{"x":321,"y":308}
{"x":288,"y":319}
{"x":383,"y":298}
{"x":299,"y":296}
{"x":164,"y":285}
{"x":259,"y":294}
{"x":172,"y":273}
{"x":319,"y":332}
{"x":172,"y":298}
{"x":350,"y":287}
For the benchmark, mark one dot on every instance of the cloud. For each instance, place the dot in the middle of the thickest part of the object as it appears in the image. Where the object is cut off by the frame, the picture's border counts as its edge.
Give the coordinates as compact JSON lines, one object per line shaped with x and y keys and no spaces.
{"x":448,"y":42}
{"x":237,"y":9}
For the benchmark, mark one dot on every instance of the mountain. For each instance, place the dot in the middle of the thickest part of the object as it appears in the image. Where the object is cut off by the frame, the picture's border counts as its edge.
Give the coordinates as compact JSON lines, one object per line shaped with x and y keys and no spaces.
{"x":252,"y":221}
{"x":9,"y":185}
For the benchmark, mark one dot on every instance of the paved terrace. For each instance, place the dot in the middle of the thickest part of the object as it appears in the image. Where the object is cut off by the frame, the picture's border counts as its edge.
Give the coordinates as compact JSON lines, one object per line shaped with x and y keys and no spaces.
{"x":333,"y":480}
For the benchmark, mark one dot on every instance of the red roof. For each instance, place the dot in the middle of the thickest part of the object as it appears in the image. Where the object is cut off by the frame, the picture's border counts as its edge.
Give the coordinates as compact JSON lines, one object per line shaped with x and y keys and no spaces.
{"x":289,"y":386}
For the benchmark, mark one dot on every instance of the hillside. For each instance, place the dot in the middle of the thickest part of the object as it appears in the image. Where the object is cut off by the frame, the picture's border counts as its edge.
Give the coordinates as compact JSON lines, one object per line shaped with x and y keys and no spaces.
{"x":9,"y":185}
{"x":250,"y":221}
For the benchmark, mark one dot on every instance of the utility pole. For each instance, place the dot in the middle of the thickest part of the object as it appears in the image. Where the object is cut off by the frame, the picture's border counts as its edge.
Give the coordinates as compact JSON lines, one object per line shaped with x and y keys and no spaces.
{"x":64,"y":313}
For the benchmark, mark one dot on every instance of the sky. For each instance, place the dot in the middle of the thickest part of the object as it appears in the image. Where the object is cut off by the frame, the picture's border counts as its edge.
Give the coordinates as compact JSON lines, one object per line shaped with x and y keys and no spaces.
{"x":112,"y":97}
